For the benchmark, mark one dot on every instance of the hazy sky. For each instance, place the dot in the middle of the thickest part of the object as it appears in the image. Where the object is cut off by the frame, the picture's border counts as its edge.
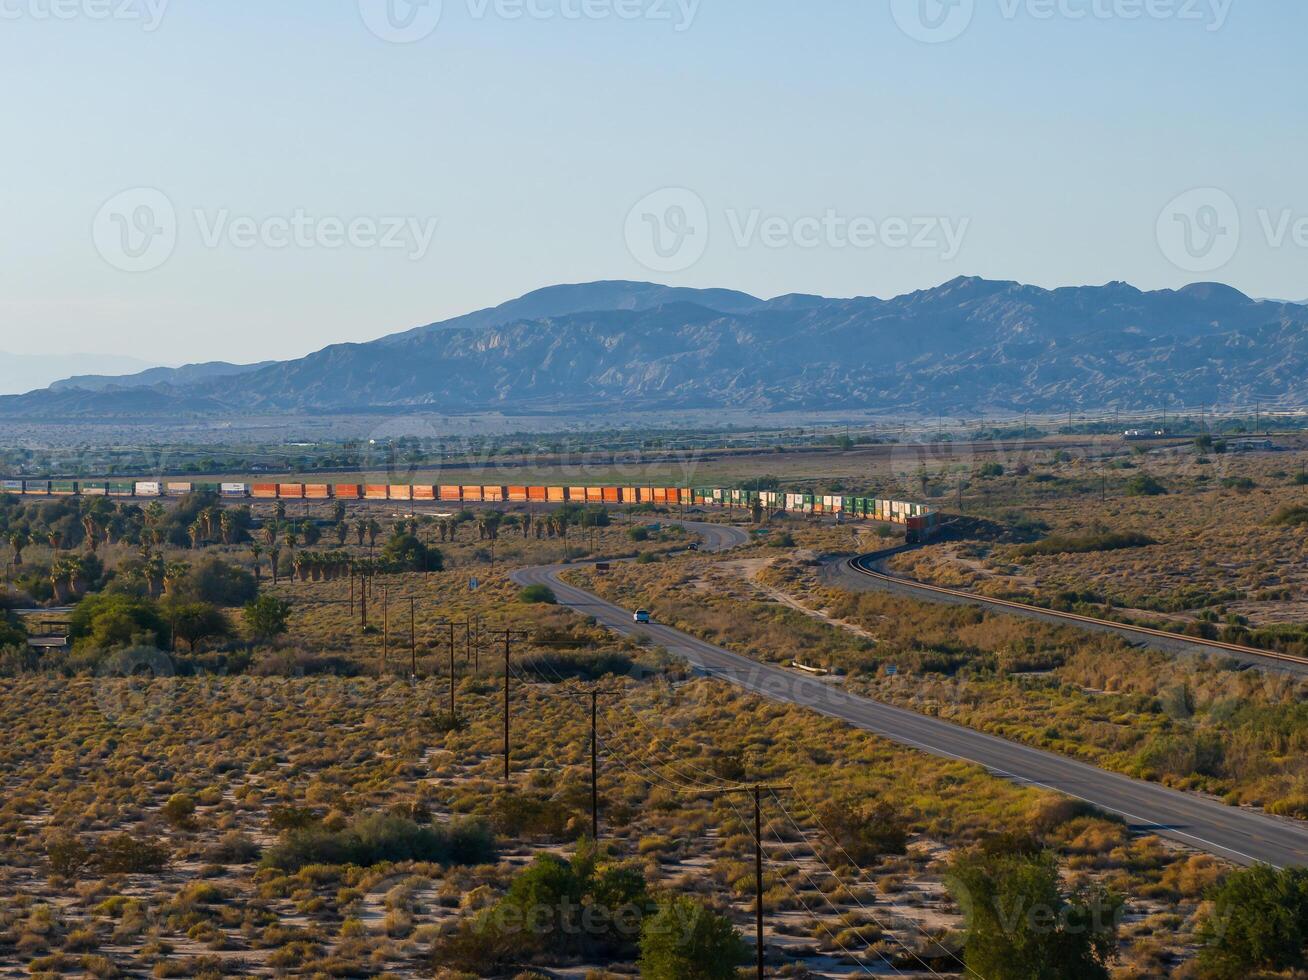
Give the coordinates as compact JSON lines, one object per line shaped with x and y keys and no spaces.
{"x":194,"y":180}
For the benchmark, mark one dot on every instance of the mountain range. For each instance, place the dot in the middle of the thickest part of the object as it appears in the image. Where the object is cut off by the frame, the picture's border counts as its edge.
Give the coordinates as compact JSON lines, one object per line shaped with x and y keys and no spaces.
{"x":970,"y":346}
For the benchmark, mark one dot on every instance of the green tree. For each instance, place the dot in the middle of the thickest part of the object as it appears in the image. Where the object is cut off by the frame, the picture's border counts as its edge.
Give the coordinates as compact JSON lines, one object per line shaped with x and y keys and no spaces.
{"x":108,"y":620}
{"x":538,"y":595}
{"x":196,"y":621}
{"x":1020,"y":925}
{"x":686,"y":941}
{"x":265,"y":617}
{"x":405,"y":550}
{"x":1258,"y":923}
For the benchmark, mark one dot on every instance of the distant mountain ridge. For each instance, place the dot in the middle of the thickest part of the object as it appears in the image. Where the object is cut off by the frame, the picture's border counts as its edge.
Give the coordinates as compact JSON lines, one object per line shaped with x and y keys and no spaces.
{"x":182,"y":376}
{"x":970,"y":346}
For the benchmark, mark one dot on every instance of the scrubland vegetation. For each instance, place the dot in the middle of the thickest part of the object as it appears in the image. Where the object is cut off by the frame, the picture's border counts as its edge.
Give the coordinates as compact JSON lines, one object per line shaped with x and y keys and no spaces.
{"x":230,"y":771}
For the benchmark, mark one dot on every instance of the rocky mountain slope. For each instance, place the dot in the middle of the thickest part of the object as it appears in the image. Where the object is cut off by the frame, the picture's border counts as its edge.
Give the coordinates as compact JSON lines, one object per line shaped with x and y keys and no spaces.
{"x":970,"y":346}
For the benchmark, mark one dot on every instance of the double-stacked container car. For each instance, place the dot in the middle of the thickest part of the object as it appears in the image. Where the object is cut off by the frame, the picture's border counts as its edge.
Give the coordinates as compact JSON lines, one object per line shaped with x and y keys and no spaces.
{"x":920,"y":519}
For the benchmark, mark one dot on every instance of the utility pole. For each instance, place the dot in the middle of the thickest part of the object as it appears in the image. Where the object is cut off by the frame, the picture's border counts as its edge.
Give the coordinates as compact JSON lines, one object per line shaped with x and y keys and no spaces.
{"x":756,"y":791}
{"x":413,"y":642}
{"x":509,"y":637}
{"x":450,"y":625}
{"x":386,"y":629}
{"x":363,"y":603}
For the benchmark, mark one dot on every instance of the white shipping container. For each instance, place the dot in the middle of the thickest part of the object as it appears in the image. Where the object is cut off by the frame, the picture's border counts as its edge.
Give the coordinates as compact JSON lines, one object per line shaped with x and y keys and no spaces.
{"x":149,"y":490}
{"x":178,"y":489}
{"x":233,"y":489}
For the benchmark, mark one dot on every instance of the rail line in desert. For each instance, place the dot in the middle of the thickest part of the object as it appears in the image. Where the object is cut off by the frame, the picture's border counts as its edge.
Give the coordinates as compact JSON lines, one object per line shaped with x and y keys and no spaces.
{"x":860,"y":565}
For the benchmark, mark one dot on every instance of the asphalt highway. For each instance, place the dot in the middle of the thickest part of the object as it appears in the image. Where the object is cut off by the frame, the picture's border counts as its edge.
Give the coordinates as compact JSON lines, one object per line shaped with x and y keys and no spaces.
{"x":1240,"y":835}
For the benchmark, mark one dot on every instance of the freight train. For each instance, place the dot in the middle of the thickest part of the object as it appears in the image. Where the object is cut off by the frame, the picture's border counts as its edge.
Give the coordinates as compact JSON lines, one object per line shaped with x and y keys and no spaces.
{"x":920,"y":520}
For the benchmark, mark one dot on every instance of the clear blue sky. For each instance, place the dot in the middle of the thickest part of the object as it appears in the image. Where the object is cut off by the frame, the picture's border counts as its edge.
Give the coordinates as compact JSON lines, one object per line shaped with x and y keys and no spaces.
{"x":1053,"y":144}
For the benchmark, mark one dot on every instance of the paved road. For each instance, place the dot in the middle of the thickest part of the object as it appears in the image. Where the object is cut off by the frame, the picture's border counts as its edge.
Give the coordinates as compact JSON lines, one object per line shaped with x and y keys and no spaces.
{"x":1239,"y":835}
{"x":845,"y":573}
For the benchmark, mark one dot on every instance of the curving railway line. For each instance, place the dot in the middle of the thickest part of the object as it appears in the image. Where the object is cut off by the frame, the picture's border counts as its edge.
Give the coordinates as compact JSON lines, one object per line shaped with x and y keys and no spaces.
{"x":867,"y":572}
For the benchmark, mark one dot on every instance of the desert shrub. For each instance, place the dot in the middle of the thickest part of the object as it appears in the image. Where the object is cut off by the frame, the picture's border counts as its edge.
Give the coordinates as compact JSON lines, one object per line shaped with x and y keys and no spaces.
{"x":1258,"y":923}
{"x":1061,"y":544}
{"x":1144,"y":485}
{"x":197,"y":621}
{"x":126,"y":854}
{"x":233,"y":848}
{"x":684,"y":939}
{"x":538,"y":595}
{"x":565,"y":665}
{"x":638,"y":534}
{"x":520,"y":815}
{"x":381,"y":837}
{"x":179,"y":810}
{"x":1291,"y":514}
{"x":861,"y":831}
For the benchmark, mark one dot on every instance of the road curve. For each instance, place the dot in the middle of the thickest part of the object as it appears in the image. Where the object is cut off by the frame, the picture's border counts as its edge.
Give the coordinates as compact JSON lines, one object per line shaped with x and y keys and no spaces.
{"x":867,"y":573}
{"x":1239,"y":835}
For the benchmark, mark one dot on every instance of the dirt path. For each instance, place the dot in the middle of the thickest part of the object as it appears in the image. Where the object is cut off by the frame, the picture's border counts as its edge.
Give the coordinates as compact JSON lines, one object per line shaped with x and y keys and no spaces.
{"x":751,"y":568}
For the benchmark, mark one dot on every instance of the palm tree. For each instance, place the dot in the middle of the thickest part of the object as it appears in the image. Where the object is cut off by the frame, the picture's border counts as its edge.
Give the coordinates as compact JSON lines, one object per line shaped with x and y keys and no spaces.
{"x":374,"y":529}
{"x":174,"y":573}
{"x":274,"y":558}
{"x":292,"y":538}
{"x":92,"y":528}
{"x":154,"y":571}
{"x":361,"y":529}
{"x":227,"y":522}
{"x":59,"y":576}
{"x":55,"y":539}
{"x":18,"y":540}
{"x":196,"y":533}
{"x":301,"y":565}
{"x":342,"y":532}
{"x":279,"y":509}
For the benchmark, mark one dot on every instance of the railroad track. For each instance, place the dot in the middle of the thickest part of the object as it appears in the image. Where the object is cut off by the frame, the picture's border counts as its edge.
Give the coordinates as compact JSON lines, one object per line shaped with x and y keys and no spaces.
{"x":862,"y":563}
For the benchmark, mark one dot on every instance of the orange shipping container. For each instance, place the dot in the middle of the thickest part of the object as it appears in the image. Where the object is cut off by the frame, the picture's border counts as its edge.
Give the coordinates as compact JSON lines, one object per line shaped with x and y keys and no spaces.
{"x":556,"y":495}
{"x":629,"y":495}
{"x":316,"y":491}
{"x":348,"y":491}
{"x":687,"y":496}
{"x":424,"y":493}
{"x":517,"y":493}
{"x":577,"y":495}
{"x":612,"y":495}
{"x":451,"y":494}
{"x":264,"y":491}
{"x":376,"y":491}
{"x":493,"y":493}
{"x":472,"y":494}
{"x":401,"y":493}
{"x":538,"y":493}
{"x":290,"y":491}
{"x":595,"y":495}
